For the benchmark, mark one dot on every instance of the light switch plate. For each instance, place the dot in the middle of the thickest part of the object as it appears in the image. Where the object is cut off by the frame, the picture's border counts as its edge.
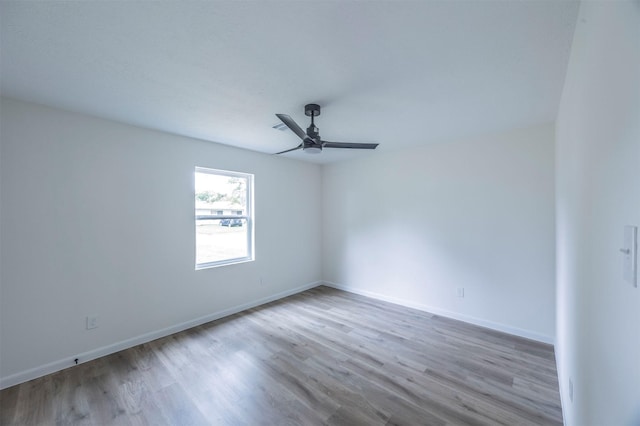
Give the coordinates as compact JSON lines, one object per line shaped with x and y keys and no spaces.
{"x":630,"y":253}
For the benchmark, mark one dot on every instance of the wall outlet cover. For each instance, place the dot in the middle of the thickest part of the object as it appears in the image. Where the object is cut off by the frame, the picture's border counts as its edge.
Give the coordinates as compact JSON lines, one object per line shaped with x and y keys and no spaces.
{"x":92,"y":322}
{"x":571,"y":390}
{"x":630,"y":255}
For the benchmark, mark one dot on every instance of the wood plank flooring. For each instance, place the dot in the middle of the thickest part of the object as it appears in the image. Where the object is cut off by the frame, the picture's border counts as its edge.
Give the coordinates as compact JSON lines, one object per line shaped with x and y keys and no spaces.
{"x":320,"y":357}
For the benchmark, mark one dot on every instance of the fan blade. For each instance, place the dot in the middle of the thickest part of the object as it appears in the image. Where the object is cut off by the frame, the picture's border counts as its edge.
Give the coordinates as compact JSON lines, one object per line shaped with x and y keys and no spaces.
{"x":292,"y":125}
{"x":289,"y":150}
{"x":349,"y":145}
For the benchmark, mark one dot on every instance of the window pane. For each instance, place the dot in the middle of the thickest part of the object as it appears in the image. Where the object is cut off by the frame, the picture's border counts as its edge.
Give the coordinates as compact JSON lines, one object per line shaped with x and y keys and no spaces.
{"x":223,"y":217}
{"x":216,"y":241}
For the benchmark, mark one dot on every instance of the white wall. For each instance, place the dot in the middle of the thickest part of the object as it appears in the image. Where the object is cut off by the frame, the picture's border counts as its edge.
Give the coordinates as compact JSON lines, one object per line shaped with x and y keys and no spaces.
{"x":413,"y":226}
{"x":598,"y":192}
{"x":78,"y":238}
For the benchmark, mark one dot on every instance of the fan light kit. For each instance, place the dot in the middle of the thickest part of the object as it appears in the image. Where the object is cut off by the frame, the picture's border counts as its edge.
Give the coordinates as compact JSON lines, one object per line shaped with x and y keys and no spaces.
{"x":311,"y":141}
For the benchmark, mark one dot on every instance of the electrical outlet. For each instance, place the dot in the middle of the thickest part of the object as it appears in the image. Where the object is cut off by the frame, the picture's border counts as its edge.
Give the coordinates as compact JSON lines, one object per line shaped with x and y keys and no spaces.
{"x":92,"y":322}
{"x":460,"y":291}
{"x":630,"y":251}
{"x":571,"y":390}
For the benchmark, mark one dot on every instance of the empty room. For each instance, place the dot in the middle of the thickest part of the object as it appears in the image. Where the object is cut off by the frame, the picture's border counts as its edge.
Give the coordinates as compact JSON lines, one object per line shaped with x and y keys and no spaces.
{"x":319,"y":212}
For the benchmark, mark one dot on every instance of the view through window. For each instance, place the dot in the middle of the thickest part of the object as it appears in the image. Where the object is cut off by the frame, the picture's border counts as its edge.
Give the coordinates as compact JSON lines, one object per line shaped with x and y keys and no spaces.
{"x":224,"y":222}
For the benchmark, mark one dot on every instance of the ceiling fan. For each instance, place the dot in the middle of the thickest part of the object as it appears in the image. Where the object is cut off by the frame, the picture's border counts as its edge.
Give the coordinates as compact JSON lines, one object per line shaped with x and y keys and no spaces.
{"x":311,"y":141}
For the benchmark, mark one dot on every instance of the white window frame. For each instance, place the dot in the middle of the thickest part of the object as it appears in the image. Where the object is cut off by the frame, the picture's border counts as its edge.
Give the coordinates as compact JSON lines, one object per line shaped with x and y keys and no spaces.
{"x":248,"y":217}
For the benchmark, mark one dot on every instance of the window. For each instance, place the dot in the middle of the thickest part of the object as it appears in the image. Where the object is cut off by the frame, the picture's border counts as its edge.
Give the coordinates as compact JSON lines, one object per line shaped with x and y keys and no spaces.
{"x":227,"y":236}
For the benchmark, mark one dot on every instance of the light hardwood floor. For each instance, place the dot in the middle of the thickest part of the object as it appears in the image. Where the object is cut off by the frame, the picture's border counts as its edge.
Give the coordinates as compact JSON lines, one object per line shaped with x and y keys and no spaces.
{"x":320,"y":357}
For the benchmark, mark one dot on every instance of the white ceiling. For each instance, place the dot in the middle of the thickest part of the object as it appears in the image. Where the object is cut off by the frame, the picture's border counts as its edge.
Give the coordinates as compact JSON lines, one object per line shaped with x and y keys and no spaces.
{"x":398,"y":73}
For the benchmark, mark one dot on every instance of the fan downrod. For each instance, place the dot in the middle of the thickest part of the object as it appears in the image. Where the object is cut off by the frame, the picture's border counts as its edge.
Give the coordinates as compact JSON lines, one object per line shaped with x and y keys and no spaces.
{"x":312,"y":110}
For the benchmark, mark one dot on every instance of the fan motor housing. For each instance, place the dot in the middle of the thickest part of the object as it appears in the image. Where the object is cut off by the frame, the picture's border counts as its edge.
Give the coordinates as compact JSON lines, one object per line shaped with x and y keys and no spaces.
{"x":312,"y":146}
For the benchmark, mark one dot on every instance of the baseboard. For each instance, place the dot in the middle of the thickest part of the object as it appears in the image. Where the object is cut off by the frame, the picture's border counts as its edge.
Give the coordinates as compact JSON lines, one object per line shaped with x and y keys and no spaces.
{"x":52,"y":367}
{"x":449,"y":314}
{"x":560,"y":371}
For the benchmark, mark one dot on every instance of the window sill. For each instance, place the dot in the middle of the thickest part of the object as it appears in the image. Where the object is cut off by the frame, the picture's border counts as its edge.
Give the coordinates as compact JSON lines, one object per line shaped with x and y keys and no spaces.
{"x":222,"y":263}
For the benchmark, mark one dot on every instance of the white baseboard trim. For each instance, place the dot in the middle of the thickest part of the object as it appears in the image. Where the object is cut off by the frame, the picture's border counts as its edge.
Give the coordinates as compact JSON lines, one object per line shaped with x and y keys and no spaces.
{"x":532,"y":335}
{"x":561,"y":387}
{"x":52,"y":367}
